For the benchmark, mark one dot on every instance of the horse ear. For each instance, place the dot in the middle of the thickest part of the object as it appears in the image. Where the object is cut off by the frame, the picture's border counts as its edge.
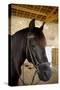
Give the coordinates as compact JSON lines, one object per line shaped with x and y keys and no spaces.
{"x":32,"y":24}
{"x":41,"y":28}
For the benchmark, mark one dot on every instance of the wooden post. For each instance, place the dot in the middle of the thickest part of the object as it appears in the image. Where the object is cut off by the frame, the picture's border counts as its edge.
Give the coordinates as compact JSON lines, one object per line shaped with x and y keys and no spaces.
{"x":55,"y":56}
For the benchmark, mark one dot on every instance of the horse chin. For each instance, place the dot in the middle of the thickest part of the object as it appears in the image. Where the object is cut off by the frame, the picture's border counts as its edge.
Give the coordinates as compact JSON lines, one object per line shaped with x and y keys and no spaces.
{"x":43,"y":77}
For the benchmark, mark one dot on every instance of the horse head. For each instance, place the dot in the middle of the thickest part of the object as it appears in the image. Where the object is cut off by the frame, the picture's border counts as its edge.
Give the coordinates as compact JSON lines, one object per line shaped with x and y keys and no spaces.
{"x":35,"y":51}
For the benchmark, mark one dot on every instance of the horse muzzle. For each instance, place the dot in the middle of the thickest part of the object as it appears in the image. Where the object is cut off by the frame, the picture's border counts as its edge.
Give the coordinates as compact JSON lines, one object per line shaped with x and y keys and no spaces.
{"x":44,"y":72}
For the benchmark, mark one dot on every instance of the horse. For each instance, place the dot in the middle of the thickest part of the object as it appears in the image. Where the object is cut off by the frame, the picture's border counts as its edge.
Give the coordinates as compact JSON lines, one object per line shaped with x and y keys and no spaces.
{"x":28,"y":43}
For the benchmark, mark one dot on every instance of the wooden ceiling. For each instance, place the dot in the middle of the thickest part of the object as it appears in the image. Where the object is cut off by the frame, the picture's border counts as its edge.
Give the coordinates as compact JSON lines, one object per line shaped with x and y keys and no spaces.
{"x":42,"y":13}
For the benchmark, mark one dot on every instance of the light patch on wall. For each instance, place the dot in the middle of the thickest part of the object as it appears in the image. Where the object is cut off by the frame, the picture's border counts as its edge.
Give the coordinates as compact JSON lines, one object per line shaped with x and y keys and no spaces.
{"x":38,"y":23}
{"x":18,"y":23}
{"x":51,"y":34}
{"x":49,"y":54}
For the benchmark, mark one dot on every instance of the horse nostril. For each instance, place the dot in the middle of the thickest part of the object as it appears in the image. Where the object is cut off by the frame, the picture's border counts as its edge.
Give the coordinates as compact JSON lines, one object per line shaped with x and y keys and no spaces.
{"x":45,"y":74}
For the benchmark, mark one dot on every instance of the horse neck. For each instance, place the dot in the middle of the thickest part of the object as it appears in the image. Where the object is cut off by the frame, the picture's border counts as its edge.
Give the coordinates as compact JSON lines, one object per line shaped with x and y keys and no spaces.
{"x":23,"y":50}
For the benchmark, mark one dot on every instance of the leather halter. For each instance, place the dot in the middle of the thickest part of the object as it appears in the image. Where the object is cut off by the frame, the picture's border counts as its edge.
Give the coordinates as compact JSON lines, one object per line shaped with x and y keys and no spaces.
{"x":29,"y":48}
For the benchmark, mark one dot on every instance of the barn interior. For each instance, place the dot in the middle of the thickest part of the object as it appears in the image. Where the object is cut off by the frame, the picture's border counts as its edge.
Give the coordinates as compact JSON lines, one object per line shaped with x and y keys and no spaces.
{"x":19,"y":18}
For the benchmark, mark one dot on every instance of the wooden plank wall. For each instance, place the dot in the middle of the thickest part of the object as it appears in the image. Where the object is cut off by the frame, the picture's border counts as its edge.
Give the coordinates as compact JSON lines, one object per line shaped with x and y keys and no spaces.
{"x":55,"y":56}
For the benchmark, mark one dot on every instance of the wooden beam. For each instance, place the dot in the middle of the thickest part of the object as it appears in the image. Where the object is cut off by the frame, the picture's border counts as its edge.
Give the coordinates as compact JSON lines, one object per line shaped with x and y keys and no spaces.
{"x":27,"y":10}
{"x":51,"y":16}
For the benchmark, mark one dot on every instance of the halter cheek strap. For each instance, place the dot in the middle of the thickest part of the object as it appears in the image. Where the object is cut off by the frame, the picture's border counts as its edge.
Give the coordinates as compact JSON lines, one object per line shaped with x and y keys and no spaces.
{"x":28,"y":48}
{"x":31,"y":52}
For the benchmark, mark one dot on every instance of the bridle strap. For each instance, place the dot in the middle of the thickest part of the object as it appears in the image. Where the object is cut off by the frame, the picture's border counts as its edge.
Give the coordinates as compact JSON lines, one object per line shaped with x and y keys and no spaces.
{"x":28,"y":48}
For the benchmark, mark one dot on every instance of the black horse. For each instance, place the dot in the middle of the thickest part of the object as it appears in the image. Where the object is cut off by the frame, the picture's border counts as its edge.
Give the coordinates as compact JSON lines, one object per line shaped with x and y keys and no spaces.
{"x":28,"y":43}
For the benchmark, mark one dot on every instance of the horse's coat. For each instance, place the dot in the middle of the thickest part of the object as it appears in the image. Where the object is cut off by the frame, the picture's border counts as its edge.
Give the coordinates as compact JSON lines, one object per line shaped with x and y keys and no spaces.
{"x":28,"y":43}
